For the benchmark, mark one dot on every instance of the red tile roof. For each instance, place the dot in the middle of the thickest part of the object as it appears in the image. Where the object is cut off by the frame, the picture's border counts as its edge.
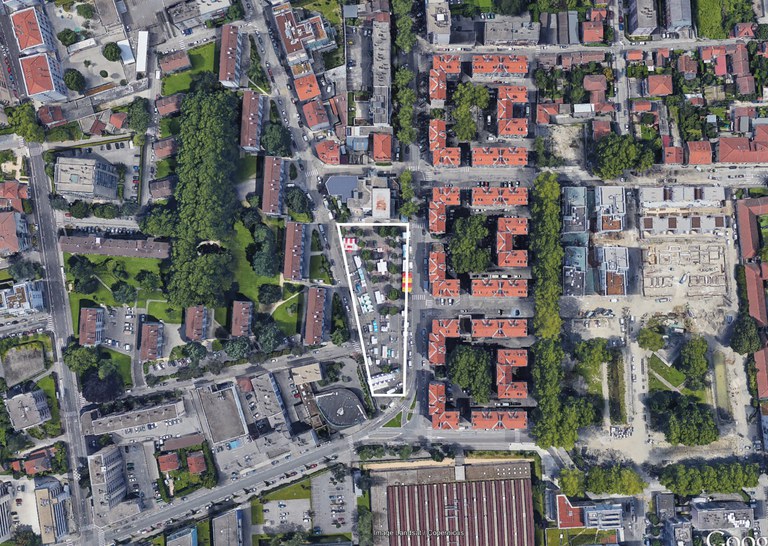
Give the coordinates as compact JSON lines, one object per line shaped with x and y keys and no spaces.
{"x":591,"y":32}
{"x":329,"y":152}
{"x":741,"y":150}
{"x":597,"y":14}
{"x":513,"y":127}
{"x":51,"y":116}
{"x":170,"y":104}
{"x":761,"y":364}
{"x":242,"y":315}
{"x":272,"y":185}
{"x":382,"y":147}
{"x":89,"y":317}
{"x":641,"y":106}
{"x":446,"y":327}
{"x":499,"y":197}
{"x":9,"y":239}
{"x":118,"y":119}
{"x":438,"y":87}
{"x":499,"y":288}
{"x":514,"y":226}
{"x":673,"y":155}
{"x":500,"y":65}
{"x":514,"y":357}
{"x":293,"y":259}
{"x":37,"y":73}
{"x":151,"y":334}
{"x":196,"y":462}
{"x":437,"y":267}
{"x":517,"y":94}
{"x":746,"y":85}
{"x":499,"y":157}
{"x":660,"y":85}
{"x":450,"y":64}
{"x":545,"y":111}
{"x":600,"y":128}
{"x":699,"y":152}
{"x":436,"y":397}
{"x":437,"y":134}
{"x":251,"y":119}
{"x":168,"y":462}
{"x":315,"y":114}
{"x":314,"y":325}
{"x":229,"y":57}
{"x":306,"y":87}
{"x":11,"y":195}
{"x":446,"y":157}
{"x":499,"y":420}
{"x":176,"y":61}
{"x":568,"y":516}
{"x":446,"y":288}
{"x":499,"y":328}
{"x":437,"y":217}
{"x":195,"y":323}
{"x":744,"y":30}
{"x":756,"y":294}
{"x":594,"y":82}
{"x":739,"y":60}
{"x":448,"y":420}
{"x":687,"y":65}
{"x":436,"y":351}
{"x":505,"y":245}
{"x":450,"y":196}
{"x":721,"y":66}
{"x":27,"y":29}
{"x":635,"y":55}
{"x":165,"y":148}
{"x":506,"y":386}
{"x":747,"y":211}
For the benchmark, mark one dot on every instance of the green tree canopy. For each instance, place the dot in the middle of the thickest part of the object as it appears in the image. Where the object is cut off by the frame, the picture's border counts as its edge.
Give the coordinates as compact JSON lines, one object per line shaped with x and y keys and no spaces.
{"x":237,"y":347}
{"x":408,"y":206}
{"x":689,"y":479}
{"x":22,"y":269}
{"x":85,"y":11}
{"x":745,"y":338}
{"x":264,"y":251}
{"x":468,"y":99}
{"x":682,"y":419}
{"x":23,"y":121}
{"x":74,"y":80}
{"x":276,"y":140}
{"x":469,"y":252}
{"x":572,"y":482}
{"x":149,"y":280}
{"x":297,"y":201}
{"x":80,"y":359}
{"x":139,"y":117}
{"x":615,"y":154}
{"x":615,"y":479}
{"x":159,"y":221}
{"x":270,"y":293}
{"x":470,"y":368}
{"x":650,"y":339}
{"x":693,"y":361}
{"x":67,"y":37}
{"x":124,"y":292}
{"x":111,"y":51}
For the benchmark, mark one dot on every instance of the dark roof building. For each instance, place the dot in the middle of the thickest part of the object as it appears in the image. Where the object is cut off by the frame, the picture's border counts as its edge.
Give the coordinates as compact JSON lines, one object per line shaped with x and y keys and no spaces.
{"x":315,"y":323}
{"x":242,"y":317}
{"x":175,"y":62}
{"x":151,"y":347}
{"x":104,"y":246}
{"x":196,"y":323}
{"x":272,"y":186}
{"x":254,"y":113}
{"x":170,"y":104}
{"x":231,"y":56}
{"x":293,"y":263}
{"x":91,"y":326}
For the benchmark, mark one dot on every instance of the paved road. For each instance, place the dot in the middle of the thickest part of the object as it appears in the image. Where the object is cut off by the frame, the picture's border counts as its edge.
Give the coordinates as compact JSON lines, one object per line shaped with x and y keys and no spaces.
{"x":60,"y":315}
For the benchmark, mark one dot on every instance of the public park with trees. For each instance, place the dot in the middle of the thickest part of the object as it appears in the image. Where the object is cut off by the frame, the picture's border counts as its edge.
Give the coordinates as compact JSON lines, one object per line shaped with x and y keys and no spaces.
{"x":616,"y":154}
{"x":682,"y":418}
{"x":469,"y":101}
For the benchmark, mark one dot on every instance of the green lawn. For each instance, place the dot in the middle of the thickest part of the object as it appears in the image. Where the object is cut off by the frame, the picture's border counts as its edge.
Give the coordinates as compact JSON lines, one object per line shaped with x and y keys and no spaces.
{"x":578,"y":537}
{"x":48,"y":385}
{"x":298,"y":490}
{"x":165,"y":311}
{"x":365,"y":500}
{"x":202,"y":58}
{"x":654,"y":384}
{"x":257,"y":512}
{"x":248,"y":281}
{"x":246,"y":168}
{"x":204,"y":533}
{"x":303,"y":218}
{"x":396,"y":421}
{"x":287,"y":321}
{"x":220,"y":315}
{"x":700,"y":394}
{"x":674,"y":376}
{"x":124,"y":365}
{"x":316,"y":269}
{"x":721,"y":383}
{"x":164,"y":168}
{"x":104,"y":266}
{"x":169,"y":127}
{"x":5,"y":275}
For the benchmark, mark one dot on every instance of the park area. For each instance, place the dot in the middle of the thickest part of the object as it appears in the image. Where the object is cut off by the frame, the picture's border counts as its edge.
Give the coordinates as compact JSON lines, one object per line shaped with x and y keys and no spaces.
{"x":579,"y":537}
{"x":716,"y":18}
{"x":110,"y":271}
{"x":660,"y":372}
{"x":202,"y":58}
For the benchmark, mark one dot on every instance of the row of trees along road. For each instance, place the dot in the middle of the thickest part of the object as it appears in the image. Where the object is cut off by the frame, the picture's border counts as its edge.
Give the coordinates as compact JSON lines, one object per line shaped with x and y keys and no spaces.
{"x":558,"y":416}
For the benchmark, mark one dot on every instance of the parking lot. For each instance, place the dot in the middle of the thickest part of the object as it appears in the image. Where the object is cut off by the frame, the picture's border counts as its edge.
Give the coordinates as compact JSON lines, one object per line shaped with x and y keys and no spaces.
{"x":120,"y":329}
{"x":291,"y":514}
{"x":117,"y":152}
{"x":141,"y":471}
{"x":333,"y":504}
